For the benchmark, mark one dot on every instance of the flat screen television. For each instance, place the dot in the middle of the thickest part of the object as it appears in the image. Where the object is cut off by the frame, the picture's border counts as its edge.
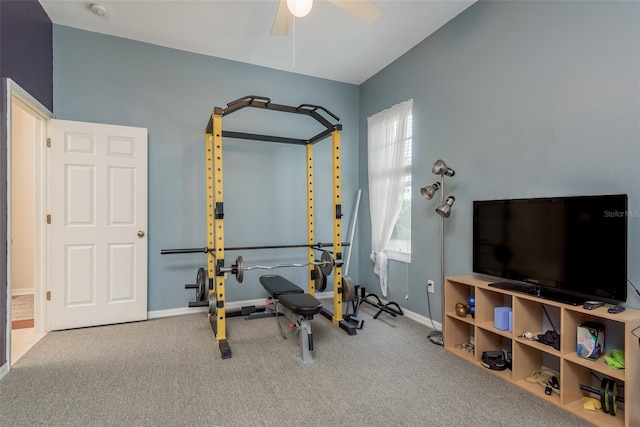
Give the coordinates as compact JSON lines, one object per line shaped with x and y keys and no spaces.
{"x":570,"y":249}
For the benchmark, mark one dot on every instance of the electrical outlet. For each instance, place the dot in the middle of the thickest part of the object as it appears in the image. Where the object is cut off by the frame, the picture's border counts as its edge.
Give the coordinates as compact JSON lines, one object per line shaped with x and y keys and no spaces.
{"x":431,"y":286}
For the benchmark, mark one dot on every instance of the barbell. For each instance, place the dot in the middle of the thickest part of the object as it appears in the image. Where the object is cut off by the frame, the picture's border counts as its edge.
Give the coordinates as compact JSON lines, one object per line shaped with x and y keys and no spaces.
{"x":326,"y":265}
{"x":316,"y":246}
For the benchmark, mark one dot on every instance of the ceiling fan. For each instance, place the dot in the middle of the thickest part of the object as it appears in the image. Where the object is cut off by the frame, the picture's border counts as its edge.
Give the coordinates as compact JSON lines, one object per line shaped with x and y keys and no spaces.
{"x":287,"y":9}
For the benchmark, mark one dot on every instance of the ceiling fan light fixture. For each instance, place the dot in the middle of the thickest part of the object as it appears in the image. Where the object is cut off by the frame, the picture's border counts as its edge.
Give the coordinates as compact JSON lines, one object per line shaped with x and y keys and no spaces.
{"x":299,"y":8}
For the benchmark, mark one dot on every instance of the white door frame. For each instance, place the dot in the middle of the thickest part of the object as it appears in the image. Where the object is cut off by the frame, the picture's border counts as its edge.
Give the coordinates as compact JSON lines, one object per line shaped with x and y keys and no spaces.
{"x":15,"y":92}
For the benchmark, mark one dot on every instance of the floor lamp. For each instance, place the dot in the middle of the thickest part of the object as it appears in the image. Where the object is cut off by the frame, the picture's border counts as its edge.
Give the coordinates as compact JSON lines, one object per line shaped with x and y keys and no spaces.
{"x":443,"y":210}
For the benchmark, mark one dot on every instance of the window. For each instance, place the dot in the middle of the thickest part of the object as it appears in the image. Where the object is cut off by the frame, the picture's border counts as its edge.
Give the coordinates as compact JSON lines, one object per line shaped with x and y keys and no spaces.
{"x":389,"y":155}
{"x":399,"y":246}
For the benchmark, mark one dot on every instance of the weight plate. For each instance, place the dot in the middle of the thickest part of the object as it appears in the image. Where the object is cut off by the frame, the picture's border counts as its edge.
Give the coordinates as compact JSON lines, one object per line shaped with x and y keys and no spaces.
{"x":213,"y":304}
{"x":320,"y":280}
{"x":613,"y":393}
{"x":328,"y":267}
{"x":604,"y":385}
{"x":348,"y":289}
{"x":201,"y":282}
{"x":239,"y":269}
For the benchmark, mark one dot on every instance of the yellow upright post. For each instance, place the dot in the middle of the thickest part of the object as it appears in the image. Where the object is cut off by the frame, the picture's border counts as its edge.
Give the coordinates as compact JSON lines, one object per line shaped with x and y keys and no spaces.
{"x":337,"y":228}
{"x":211,"y":259}
{"x":215,"y":219}
{"x":310,"y":218}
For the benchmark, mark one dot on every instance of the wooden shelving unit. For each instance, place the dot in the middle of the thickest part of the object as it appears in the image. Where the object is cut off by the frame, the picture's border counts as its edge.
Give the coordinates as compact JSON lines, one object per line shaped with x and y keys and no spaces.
{"x":528,"y":356}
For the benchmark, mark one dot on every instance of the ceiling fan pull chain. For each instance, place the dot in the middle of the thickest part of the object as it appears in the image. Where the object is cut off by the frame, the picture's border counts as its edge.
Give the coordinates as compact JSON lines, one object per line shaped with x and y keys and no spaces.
{"x":293,"y":33}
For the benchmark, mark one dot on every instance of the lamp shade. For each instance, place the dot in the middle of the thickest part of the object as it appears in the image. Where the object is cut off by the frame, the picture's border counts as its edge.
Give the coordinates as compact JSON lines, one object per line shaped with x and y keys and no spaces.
{"x":444,"y":209}
{"x":441,"y":168}
{"x":430,"y":190}
{"x":299,"y":8}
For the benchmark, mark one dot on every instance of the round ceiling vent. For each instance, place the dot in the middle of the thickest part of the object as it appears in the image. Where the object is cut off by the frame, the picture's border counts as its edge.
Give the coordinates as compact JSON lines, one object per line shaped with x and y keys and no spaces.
{"x":99,"y":9}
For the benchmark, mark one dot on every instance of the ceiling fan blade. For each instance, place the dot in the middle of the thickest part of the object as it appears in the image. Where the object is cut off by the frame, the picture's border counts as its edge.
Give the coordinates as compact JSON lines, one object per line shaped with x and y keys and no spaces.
{"x":282,"y":21}
{"x":364,"y":10}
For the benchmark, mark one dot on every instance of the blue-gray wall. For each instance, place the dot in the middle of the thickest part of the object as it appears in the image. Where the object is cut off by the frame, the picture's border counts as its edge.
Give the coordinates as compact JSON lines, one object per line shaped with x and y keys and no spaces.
{"x":105,"y":79}
{"x":26,"y":56}
{"x":522,"y":99}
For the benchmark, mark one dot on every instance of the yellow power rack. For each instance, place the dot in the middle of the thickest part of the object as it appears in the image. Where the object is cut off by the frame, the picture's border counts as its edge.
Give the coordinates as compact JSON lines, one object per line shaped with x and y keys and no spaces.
{"x":215,"y":208}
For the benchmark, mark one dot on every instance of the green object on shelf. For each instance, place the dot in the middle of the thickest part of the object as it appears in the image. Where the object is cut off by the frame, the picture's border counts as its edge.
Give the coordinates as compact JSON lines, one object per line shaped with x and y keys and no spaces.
{"x":615,"y":359}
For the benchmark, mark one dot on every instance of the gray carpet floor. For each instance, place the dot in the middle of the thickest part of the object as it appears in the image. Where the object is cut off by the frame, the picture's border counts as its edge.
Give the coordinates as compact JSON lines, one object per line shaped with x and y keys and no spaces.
{"x":168,"y":372}
{"x":22,"y":307}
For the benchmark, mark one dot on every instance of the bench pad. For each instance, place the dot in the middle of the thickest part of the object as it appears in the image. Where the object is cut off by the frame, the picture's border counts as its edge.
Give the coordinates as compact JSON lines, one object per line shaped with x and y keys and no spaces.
{"x":278,"y":285}
{"x":301,"y":304}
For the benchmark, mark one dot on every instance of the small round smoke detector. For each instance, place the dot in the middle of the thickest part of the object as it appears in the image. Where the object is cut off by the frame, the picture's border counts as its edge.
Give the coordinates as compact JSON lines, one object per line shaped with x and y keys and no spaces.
{"x":99,"y":9}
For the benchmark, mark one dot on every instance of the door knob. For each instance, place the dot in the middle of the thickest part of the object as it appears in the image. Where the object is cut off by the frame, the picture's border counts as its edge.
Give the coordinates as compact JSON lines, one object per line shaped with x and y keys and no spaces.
{"x":140,"y":233}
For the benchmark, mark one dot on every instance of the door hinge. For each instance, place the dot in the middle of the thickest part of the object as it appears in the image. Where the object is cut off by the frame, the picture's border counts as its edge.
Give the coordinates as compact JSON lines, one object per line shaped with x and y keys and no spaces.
{"x":49,"y":219}
{"x":48,"y":295}
{"x":49,"y":142}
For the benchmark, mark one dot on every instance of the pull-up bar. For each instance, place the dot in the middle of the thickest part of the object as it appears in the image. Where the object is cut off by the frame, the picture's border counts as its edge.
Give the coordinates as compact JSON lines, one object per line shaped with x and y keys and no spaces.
{"x":265,"y":103}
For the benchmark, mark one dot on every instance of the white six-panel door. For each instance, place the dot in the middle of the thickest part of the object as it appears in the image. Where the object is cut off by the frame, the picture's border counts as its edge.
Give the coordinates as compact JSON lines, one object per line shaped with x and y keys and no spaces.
{"x":98,"y":224}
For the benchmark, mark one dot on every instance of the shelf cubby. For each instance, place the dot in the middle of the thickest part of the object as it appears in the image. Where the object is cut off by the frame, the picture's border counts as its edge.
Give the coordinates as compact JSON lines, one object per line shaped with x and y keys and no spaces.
{"x":526,"y":361}
{"x":460,"y":331}
{"x":537,"y":315}
{"x":575,"y":374}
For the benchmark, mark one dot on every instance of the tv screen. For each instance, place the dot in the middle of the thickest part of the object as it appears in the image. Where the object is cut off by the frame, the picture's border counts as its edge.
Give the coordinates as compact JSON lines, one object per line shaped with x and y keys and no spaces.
{"x":573,"y":247}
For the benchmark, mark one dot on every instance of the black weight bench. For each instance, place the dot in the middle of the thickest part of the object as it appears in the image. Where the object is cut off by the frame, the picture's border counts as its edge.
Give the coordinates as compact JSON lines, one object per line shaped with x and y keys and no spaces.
{"x":277,"y":285}
{"x":303,"y":305}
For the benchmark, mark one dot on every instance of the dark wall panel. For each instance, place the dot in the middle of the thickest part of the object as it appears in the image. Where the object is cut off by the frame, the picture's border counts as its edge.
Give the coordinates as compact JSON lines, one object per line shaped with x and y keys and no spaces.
{"x":26,"y":57}
{"x":26,"y":42}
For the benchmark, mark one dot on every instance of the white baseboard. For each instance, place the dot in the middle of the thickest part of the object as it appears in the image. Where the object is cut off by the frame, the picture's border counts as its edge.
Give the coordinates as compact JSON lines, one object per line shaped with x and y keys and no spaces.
{"x":234,"y":305}
{"x":231,"y":305}
{"x":418,"y":317}
{"x":22,"y":291}
{"x":157,"y":314}
{"x":421,"y":319}
{"x":324,"y":295}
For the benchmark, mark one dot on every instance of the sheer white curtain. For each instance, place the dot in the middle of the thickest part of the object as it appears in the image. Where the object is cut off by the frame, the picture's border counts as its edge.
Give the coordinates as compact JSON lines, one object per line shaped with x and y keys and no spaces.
{"x":387,"y":132}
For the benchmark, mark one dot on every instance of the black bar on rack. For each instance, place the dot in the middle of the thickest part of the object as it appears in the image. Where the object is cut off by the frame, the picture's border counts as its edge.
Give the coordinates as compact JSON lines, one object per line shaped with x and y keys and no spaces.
{"x":205,"y":250}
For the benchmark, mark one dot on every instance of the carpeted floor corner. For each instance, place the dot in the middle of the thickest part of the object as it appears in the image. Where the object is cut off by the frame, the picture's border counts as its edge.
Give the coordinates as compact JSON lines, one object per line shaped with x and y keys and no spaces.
{"x":168,"y":372}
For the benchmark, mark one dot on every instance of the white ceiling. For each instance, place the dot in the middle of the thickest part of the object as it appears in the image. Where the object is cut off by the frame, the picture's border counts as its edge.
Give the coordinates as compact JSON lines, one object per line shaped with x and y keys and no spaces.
{"x":328,"y":43}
